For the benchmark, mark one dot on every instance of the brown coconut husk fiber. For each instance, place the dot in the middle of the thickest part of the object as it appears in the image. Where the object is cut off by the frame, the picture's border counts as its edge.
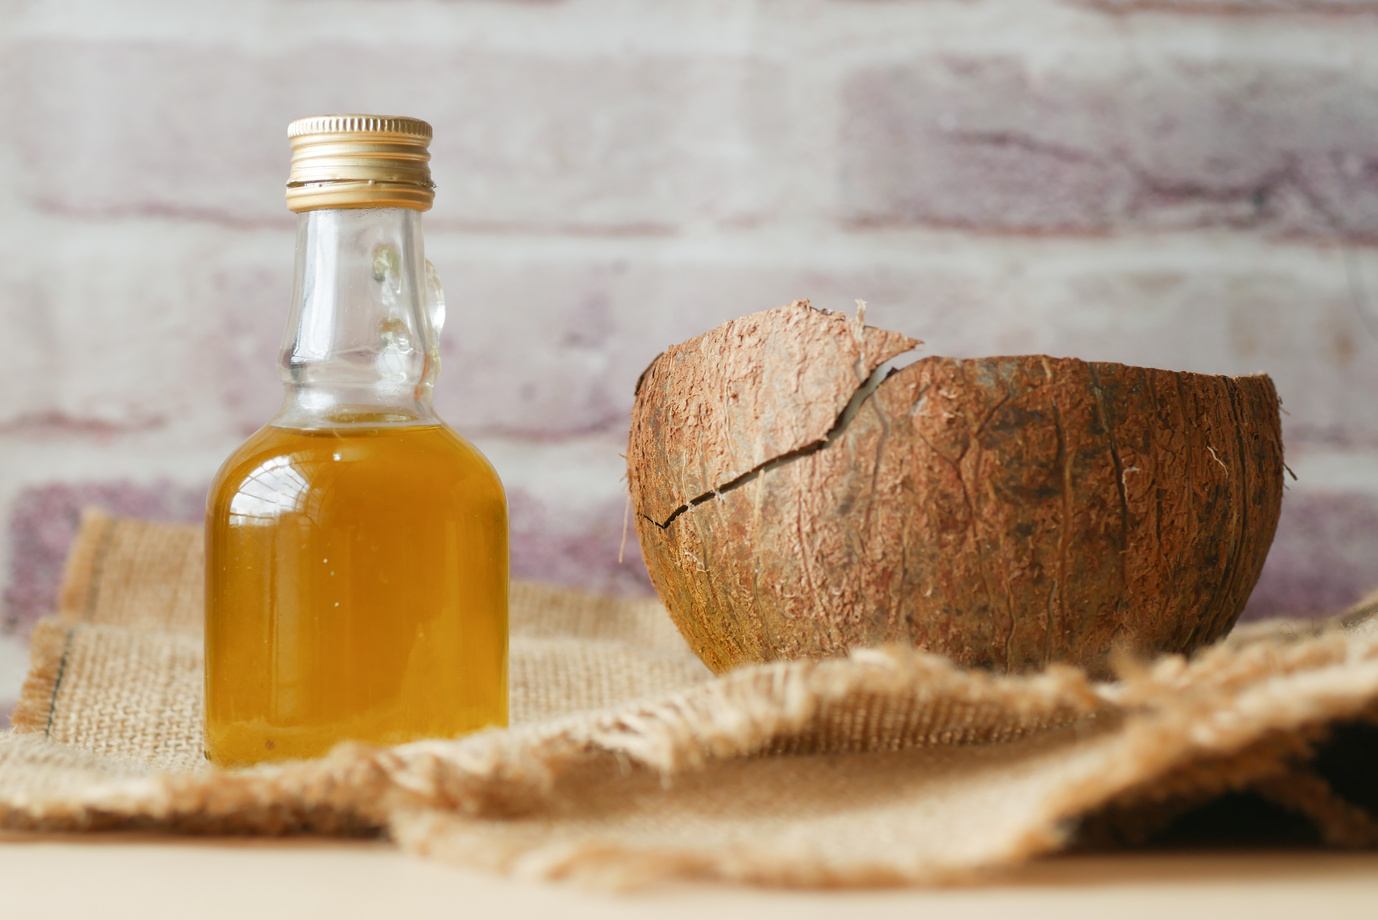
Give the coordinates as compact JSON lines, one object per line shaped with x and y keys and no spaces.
{"x":628,"y":762}
{"x":794,"y":499}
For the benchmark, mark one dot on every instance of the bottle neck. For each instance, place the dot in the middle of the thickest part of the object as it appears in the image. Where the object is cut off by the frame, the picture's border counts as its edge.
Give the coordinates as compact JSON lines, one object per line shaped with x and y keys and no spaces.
{"x":360,"y":348}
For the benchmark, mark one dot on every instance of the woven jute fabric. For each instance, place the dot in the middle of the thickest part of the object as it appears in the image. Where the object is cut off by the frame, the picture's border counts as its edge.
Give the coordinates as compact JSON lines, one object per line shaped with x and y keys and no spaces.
{"x":628,"y":762}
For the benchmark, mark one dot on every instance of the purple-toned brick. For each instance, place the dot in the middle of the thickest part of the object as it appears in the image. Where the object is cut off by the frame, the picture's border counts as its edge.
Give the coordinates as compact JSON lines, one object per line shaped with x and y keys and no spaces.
{"x":1092,"y":144}
{"x":546,"y":544}
{"x":1324,"y":558}
{"x":979,"y":143}
{"x":583,"y":553}
{"x":44,"y":521}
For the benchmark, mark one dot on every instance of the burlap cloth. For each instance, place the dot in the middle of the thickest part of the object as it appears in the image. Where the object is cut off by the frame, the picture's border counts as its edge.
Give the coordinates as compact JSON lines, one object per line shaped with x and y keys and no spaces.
{"x":628,"y":762}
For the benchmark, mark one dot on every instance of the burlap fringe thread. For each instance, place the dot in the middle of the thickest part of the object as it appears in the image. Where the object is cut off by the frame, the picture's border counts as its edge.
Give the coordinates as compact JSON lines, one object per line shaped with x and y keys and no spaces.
{"x":887,"y":767}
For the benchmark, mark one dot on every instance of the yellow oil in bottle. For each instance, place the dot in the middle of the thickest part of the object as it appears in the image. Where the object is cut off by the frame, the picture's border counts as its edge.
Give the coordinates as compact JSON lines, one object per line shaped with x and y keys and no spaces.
{"x":356,"y":589}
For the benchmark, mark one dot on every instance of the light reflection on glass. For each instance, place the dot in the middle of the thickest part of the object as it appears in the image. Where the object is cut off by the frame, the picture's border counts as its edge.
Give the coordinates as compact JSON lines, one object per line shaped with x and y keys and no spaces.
{"x":274,"y":489}
{"x":316,"y":335}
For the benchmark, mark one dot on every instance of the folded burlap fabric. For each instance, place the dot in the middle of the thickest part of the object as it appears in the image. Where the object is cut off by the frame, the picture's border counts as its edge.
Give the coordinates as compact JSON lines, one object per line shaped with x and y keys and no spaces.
{"x":628,"y":762}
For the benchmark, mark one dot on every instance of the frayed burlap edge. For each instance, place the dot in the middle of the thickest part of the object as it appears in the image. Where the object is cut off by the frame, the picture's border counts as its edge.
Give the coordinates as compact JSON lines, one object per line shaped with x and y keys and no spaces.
{"x":47,"y":658}
{"x":1234,"y":718}
{"x":1245,"y":715}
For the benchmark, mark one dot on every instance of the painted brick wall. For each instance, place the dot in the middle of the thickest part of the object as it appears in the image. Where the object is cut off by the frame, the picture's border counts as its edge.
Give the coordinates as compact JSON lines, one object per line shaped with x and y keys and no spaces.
{"x":1184,"y":183}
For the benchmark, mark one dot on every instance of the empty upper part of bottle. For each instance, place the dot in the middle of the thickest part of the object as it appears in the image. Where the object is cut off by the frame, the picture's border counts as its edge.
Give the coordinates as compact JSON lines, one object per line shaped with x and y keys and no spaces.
{"x":361,"y":343}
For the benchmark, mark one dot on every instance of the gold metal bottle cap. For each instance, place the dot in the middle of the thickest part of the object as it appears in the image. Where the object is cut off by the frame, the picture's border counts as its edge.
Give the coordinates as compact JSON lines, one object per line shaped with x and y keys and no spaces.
{"x":359,"y":161}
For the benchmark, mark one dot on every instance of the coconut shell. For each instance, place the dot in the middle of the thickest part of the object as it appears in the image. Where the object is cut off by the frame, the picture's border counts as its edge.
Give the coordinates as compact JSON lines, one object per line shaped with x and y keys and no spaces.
{"x":1005,"y":512}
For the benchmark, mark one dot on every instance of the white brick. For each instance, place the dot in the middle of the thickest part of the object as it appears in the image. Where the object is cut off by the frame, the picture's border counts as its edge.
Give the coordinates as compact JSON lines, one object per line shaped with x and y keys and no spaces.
{"x":553,"y":346}
{"x":104,"y":330}
{"x":142,"y":324}
{"x":629,"y":142}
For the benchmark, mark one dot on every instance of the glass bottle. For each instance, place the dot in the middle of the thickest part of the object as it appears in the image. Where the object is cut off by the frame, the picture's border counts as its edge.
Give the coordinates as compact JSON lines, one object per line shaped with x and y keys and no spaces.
{"x":356,"y":546}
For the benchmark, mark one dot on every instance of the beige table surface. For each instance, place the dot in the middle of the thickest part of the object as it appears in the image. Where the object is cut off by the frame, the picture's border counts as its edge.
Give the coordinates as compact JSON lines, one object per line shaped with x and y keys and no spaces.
{"x":118,"y":876}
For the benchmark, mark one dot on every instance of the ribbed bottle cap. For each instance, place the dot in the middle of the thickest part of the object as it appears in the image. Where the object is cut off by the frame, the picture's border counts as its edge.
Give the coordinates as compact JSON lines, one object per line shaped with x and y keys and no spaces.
{"x":359,"y":161}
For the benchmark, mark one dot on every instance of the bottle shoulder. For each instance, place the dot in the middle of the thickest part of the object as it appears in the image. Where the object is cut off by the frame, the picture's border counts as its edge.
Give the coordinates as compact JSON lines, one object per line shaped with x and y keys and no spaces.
{"x":255,"y":448}
{"x":464,"y":446}
{"x":355,"y":463}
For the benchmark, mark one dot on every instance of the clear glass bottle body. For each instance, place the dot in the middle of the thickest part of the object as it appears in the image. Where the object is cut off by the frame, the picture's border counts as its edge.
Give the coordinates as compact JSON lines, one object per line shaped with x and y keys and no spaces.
{"x":356,"y":547}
